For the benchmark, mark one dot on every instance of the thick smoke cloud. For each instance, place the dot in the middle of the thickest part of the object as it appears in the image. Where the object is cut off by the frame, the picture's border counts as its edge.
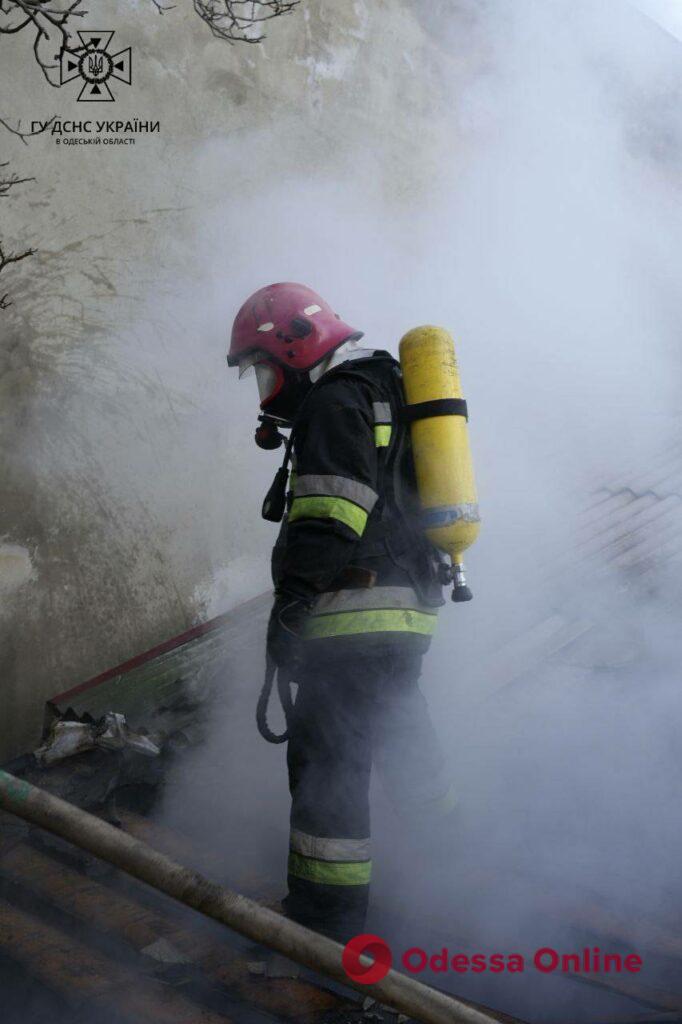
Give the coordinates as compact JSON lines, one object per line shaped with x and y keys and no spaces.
{"x":547,"y":241}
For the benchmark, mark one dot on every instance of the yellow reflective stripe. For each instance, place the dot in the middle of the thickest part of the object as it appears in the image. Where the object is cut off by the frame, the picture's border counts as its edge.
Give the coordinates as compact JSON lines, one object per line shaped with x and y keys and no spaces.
{"x":379,"y":620}
{"x":382,"y":435}
{"x":330,"y":508}
{"x":329,"y":872}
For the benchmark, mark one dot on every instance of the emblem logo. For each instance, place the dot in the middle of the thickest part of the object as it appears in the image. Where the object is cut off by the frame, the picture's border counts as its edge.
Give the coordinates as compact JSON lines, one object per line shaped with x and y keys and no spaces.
{"x":92,"y":63}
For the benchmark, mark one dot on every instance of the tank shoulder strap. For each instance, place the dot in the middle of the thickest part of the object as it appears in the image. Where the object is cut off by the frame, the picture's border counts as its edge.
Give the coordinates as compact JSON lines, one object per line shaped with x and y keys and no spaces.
{"x":397,"y":451}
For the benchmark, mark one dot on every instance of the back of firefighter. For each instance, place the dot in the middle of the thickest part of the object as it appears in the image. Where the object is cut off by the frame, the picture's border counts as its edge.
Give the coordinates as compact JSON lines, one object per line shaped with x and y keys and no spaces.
{"x":356,"y":598}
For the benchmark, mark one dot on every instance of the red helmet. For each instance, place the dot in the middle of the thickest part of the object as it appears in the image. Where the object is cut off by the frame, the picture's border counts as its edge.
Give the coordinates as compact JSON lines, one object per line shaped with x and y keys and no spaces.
{"x":290,"y":324}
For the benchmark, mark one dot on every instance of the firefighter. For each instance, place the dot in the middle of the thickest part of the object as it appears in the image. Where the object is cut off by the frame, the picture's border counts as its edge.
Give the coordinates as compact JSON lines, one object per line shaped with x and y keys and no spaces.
{"x":357,"y":589}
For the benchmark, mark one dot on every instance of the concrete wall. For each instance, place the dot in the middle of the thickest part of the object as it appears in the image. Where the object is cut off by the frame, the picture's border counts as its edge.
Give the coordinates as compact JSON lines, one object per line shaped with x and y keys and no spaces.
{"x":511,"y":170}
{"x":130,"y":487}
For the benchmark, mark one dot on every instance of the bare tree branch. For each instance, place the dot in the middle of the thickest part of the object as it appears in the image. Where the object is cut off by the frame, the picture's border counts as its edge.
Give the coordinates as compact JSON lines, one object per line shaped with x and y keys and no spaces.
{"x":7,"y":183}
{"x":50,"y":24}
{"x":237,"y":21}
{"x":13,"y":257}
{"x":6,"y":259}
{"x":162,"y":8}
{"x":24,"y":135}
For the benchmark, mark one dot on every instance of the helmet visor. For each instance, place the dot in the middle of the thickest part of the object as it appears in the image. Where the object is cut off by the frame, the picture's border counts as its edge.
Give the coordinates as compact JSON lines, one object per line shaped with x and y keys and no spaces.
{"x":248,"y":362}
{"x":269,"y":380}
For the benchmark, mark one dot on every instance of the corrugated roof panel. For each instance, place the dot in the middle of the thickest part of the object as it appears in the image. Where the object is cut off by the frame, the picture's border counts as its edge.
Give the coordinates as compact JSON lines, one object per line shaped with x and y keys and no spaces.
{"x":645,"y":516}
{"x":159,"y":678}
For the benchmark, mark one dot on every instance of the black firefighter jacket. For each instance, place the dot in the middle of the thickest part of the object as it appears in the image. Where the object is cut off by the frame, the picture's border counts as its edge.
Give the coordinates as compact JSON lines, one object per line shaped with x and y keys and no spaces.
{"x":351,"y":543}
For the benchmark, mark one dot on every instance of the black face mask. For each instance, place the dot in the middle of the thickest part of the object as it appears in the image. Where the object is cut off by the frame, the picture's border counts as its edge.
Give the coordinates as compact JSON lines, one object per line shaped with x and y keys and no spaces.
{"x":286,"y":404}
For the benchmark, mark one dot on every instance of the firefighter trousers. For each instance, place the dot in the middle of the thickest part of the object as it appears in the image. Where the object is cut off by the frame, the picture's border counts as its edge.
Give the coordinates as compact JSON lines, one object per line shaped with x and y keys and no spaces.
{"x":354,"y":709}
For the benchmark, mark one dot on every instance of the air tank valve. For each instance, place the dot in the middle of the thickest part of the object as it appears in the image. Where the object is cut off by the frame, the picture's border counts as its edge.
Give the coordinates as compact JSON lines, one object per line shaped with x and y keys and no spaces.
{"x":460,"y":590}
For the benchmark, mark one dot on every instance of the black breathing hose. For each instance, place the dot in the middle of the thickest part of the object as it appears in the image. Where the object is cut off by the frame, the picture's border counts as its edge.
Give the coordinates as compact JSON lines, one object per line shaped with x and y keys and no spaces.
{"x":284,"y":691}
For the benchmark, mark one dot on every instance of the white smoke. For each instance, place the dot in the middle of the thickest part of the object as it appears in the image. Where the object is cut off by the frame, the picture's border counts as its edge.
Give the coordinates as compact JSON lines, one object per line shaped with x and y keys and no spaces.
{"x":547,"y":242}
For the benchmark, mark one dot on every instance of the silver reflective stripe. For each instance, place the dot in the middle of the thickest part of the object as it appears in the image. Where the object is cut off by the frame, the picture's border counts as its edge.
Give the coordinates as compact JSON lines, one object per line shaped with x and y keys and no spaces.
{"x":382,"y":412}
{"x":329,"y":849}
{"x":370,"y":598}
{"x":323,"y":485}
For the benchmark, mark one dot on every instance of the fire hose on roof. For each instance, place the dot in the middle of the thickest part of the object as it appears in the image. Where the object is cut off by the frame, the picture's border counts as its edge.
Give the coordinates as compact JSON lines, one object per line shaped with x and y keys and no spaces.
{"x":237,"y":912}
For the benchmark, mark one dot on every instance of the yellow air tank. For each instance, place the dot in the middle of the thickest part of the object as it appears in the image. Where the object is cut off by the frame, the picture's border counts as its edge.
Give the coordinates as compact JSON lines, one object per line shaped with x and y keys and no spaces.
{"x":437,"y":415}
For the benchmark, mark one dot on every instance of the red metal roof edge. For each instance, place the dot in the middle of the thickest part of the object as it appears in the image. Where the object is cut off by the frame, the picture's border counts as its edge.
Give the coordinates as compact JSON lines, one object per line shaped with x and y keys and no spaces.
{"x":154,"y":652}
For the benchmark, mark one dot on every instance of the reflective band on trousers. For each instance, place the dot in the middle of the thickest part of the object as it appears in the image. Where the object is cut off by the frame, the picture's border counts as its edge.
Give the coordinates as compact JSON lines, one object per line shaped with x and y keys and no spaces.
{"x":330,"y":508}
{"x":327,"y":486}
{"x":380,"y":620}
{"x":325,"y":872}
{"x":370,"y":610}
{"x":324,"y":848}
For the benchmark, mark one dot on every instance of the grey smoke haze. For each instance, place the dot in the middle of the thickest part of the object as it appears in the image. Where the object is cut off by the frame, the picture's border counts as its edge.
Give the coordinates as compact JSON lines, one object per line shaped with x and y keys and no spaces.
{"x":548,"y":243}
